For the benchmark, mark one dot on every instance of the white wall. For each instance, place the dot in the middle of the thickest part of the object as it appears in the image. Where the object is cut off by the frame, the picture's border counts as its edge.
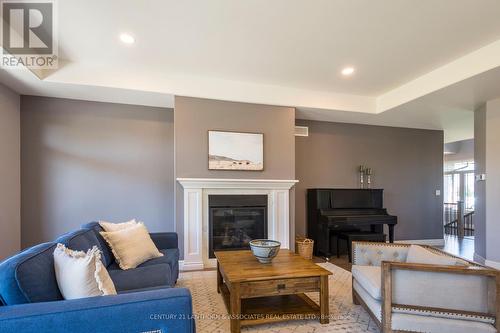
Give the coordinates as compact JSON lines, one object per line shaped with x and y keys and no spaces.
{"x":10,"y":168}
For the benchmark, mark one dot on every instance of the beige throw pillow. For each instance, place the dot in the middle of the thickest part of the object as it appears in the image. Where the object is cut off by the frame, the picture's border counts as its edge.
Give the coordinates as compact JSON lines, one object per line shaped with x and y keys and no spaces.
{"x":132,"y":246}
{"x":109,"y":226}
{"x":81,"y":274}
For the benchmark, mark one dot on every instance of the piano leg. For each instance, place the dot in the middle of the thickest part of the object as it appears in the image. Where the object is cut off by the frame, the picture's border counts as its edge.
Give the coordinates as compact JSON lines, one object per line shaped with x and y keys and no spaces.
{"x":326,"y":249}
{"x":391,"y":233}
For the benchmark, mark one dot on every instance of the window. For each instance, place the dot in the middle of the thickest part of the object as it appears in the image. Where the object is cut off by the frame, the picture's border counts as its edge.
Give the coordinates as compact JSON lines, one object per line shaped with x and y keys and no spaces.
{"x":469,"y":191}
{"x":459,"y":182}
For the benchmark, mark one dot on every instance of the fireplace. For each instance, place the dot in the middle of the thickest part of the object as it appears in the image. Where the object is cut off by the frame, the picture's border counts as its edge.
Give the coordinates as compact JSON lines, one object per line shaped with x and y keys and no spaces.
{"x":234,"y":220}
{"x":196,"y":213}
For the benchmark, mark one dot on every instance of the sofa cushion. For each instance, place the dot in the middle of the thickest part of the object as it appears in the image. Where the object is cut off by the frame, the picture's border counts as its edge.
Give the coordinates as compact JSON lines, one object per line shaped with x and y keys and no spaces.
{"x":140,"y":277}
{"x":30,"y":276}
{"x":107,"y":256}
{"x":170,"y":257}
{"x":369,"y":277}
{"x":80,"y":240}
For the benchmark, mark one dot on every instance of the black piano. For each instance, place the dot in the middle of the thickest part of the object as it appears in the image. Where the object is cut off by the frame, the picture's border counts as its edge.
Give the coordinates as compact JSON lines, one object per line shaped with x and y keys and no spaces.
{"x":330,"y":211}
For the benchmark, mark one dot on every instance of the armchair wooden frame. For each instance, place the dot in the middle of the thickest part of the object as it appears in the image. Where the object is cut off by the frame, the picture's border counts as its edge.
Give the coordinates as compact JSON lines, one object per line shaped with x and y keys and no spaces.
{"x":387,"y":306}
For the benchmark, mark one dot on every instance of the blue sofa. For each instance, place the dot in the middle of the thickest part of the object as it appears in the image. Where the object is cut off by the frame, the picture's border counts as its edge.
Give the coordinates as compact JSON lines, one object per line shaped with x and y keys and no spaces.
{"x":30,"y":300}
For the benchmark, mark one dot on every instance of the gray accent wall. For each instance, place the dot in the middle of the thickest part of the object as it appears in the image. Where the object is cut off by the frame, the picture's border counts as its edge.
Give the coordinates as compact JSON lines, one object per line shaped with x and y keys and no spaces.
{"x":83,"y":161}
{"x":10,"y":178}
{"x":194,"y":117}
{"x":407,"y":164}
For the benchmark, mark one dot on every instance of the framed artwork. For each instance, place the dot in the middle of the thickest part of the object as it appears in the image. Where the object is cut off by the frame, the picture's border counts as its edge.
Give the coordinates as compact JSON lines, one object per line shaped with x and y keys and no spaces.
{"x":235,"y":151}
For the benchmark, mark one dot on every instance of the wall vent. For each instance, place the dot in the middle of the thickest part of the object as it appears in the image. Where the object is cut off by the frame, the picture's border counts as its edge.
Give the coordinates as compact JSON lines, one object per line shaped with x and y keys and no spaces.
{"x":301,"y":131}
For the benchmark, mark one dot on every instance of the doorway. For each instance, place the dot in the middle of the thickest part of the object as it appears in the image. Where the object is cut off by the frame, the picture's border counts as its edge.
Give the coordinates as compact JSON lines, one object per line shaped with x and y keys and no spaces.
{"x":459,"y":200}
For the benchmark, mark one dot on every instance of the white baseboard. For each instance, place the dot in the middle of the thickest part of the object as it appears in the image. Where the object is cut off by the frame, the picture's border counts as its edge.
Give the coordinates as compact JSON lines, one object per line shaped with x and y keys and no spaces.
{"x":493,"y":264}
{"x":479,"y":259}
{"x":183,"y":266}
{"x":431,"y":242}
{"x":190,"y":266}
{"x":486,"y":262}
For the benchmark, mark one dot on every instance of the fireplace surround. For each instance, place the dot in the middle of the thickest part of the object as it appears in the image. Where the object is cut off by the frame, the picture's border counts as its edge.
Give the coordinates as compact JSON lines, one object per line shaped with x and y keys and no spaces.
{"x":196,"y":193}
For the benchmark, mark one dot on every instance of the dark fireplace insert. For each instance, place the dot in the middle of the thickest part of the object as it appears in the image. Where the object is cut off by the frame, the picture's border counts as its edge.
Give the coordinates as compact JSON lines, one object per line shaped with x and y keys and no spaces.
{"x":234,"y":220}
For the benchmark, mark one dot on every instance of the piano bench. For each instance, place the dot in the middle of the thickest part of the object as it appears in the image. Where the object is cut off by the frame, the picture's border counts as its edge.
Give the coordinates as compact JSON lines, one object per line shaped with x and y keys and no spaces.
{"x":355,"y":236}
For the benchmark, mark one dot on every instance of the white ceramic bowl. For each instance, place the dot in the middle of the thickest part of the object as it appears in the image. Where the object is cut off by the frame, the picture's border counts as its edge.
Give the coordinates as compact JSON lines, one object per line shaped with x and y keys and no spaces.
{"x":265,"y":249}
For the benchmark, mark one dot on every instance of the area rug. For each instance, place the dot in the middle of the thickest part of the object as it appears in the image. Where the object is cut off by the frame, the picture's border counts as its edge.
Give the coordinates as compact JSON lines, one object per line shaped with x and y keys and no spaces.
{"x":211,"y":315}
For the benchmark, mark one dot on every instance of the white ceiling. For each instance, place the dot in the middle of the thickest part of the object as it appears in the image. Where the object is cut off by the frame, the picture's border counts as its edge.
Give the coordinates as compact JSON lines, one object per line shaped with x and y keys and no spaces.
{"x":421,"y":64}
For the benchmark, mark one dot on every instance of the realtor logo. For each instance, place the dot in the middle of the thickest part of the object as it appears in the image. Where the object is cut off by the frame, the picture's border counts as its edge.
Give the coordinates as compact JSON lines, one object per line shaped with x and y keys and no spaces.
{"x":28,"y":34}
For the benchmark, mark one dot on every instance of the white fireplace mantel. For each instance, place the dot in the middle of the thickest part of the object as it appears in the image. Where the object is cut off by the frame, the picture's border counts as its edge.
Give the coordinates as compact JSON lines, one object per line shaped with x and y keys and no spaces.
{"x":278,"y":184}
{"x":196,"y":215}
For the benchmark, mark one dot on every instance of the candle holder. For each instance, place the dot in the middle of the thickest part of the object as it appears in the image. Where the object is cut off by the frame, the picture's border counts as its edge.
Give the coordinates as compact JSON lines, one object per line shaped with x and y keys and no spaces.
{"x":368,"y":173}
{"x":361,"y":177}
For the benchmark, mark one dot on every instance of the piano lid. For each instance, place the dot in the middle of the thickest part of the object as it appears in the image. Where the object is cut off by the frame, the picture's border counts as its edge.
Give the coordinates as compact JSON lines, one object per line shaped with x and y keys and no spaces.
{"x":349,"y":198}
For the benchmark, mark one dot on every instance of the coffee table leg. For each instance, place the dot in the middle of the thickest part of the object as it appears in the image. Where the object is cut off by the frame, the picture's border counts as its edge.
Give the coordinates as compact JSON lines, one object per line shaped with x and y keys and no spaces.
{"x":219,"y":278}
{"x":323,"y":300}
{"x":235,"y":308}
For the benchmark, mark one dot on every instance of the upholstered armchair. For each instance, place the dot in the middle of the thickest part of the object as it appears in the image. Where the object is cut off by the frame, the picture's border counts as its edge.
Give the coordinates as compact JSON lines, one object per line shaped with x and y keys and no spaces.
{"x":457,"y":297}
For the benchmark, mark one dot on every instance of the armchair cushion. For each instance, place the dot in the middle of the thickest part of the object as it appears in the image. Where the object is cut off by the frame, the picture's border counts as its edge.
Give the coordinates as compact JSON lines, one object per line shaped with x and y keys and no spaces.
{"x":369,"y":278}
{"x":419,"y":255}
{"x":372,"y":254}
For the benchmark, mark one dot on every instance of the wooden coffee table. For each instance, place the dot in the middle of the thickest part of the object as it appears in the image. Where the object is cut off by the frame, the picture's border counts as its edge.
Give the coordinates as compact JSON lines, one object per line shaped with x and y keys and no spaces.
{"x":257,"y":293}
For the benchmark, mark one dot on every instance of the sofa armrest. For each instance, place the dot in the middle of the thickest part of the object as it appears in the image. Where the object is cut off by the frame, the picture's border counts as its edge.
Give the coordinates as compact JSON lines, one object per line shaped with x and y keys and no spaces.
{"x":162,"y":310}
{"x":457,"y":291}
{"x":165,"y":240}
{"x":373,"y":253}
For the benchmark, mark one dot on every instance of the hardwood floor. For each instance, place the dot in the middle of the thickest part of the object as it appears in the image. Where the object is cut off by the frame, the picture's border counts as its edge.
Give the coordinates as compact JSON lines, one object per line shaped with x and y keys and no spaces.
{"x":342,"y":262}
{"x":460,"y":247}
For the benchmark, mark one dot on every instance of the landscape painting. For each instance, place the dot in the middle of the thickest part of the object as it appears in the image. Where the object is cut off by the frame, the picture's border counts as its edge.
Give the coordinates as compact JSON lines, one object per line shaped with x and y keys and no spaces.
{"x":235,"y":151}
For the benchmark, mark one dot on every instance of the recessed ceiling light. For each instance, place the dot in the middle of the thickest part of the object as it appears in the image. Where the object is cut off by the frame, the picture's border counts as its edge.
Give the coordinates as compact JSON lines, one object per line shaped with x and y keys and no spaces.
{"x":127,"y":38}
{"x":347,"y":71}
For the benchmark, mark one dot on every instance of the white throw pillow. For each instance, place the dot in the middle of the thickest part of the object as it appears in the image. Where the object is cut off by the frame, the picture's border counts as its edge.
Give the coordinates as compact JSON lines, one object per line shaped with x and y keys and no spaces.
{"x":420,"y":255}
{"x":110,"y":226}
{"x":81,"y":274}
{"x":132,"y":246}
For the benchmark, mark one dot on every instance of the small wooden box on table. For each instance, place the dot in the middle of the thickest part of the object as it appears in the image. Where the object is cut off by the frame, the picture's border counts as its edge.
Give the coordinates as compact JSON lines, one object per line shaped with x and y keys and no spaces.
{"x":257,"y":293}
